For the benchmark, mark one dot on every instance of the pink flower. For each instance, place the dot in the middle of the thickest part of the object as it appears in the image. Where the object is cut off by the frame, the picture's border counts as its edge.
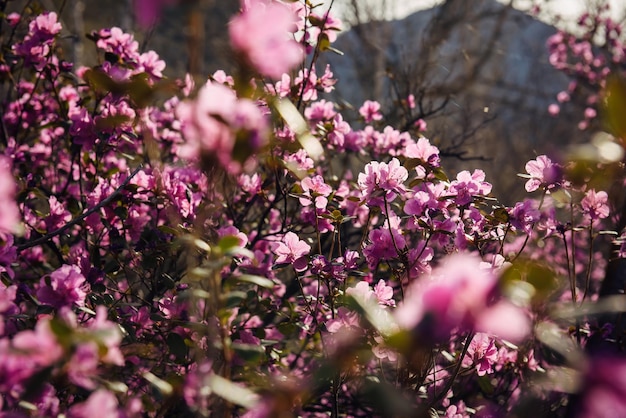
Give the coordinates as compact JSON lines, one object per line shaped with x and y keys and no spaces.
{"x":382,"y":179}
{"x":40,"y":345}
{"x":524,"y":215}
{"x":482,"y":353}
{"x":381,"y":246}
{"x":459,"y":294}
{"x":595,"y":204}
{"x":315,"y":190}
{"x":423,"y":150}
{"x":467,"y":185}
{"x":370,"y":111}
{"x":554,"y":109}
{"x":65,"y":286}
{"x":344,"y":318}
{"x":384,"y":294}
{"x":543,"y":173}
{"x":292,"y":250}
{"x":604,"y":388}
{"x":100,"y":403}
{"x":216,"y":121}
{"x":381,"y":294}
{"x":151,"y":64}
{"x":261,"y":34}
{"x":410,"y":100}
{"x":148,"y":12}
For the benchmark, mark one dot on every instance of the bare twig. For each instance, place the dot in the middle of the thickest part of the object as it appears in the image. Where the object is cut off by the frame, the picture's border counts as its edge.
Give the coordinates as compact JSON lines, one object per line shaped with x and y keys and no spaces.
{"x":103,"y":203}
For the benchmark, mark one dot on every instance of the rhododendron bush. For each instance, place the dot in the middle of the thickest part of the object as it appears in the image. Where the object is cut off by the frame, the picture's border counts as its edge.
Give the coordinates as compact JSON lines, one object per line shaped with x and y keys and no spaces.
{"x":232,"y":245}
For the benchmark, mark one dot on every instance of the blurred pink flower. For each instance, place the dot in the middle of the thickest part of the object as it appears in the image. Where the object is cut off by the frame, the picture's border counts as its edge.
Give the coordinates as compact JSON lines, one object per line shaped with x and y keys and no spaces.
{"x":604,"y":388}
{"x":262,"y":34}
{"x":100,"y":403}
{"x":9,"y":210}
{"x":213,"y":123}
{"x":459,"y":294}
{"x":148,"y":12}
{"x":370,"y":111}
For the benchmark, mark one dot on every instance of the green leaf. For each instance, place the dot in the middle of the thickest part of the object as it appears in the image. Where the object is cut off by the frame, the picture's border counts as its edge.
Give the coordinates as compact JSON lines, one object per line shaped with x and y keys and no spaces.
{"x":233,"y":299}
{"x":526,"y":280}
{"x":162,"y":386}
{"x":228,"y":242}
{"x":168,"y":230}
{"x":485,"y":385}
{"x":614,"y":107}
{"x":296,"y":122}
{"x":249,"y":352}
{"x":232,"y":392}
{"x":257,"y":280}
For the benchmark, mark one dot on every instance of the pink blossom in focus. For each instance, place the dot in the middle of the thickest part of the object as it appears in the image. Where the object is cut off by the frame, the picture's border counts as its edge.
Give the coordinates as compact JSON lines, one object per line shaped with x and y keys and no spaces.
{"x":382,"y":179}
{"x":262,"y":34}
{"x":482,"y":353}
{"x":467,"y":185}
{"x":315,"y":190}
{"x":292,"y":250}
{"x":65,"y":286}
{"x":543,"y":172}
{"x":423,"y":150}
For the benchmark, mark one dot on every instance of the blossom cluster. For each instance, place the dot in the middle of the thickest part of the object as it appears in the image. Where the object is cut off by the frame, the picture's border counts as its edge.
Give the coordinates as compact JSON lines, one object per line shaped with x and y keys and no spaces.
{"x":248,"y":248}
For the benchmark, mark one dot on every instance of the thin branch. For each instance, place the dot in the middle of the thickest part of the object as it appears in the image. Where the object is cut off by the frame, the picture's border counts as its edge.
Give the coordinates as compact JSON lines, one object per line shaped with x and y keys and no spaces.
{"x":78,"y":219}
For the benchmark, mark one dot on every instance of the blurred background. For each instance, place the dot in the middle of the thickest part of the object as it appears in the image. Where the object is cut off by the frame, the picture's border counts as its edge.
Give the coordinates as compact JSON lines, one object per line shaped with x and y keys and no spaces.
{"x":478,"y":70}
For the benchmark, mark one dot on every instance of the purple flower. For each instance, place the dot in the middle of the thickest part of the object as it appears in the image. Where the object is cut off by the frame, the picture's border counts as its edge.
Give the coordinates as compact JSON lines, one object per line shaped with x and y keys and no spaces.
{"x":148,"y":12}
{"x":382,"y":247}
{"x":65,"y":286}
